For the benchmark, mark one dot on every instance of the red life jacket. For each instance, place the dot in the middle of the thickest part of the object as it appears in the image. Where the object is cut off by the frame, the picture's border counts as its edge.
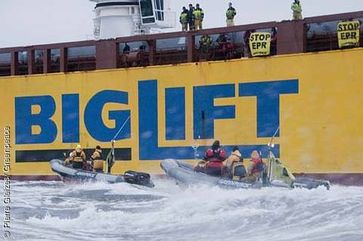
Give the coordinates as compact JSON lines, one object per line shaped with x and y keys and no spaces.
{"x":258,"y":165}
{"x":218,"y":155}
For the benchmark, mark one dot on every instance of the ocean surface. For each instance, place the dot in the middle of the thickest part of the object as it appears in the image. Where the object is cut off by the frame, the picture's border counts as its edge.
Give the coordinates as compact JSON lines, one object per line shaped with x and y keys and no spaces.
{"x":101,"y":211}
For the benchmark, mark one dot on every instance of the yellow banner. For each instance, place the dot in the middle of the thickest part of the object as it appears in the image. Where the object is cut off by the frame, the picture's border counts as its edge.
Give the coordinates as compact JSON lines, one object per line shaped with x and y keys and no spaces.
{"x":348,"y":33}
{"x":260,"y":44}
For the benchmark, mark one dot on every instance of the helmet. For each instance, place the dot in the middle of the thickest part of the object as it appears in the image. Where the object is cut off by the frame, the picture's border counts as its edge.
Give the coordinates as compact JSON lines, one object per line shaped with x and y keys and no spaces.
{"x":78,"y":148}
{"x":255,"y":155}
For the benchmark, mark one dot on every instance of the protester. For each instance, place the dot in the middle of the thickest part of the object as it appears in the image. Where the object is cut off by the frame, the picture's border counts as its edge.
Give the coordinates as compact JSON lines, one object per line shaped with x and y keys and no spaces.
{"x":191,"y":17}
{"x":231,"y":12}
{"x":97,"y":160}
{"x":77,"y":158}
{"x":198,"y":17}
{"x":184,"y":19}
{"x":296,"y":10}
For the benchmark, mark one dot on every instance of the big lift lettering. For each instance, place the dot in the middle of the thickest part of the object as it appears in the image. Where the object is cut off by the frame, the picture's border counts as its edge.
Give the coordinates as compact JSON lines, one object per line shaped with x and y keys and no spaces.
{"x":204,"y":112}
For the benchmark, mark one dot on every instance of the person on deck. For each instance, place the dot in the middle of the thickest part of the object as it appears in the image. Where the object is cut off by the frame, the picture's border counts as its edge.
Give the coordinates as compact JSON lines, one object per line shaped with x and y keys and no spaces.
{"x":126,"y":49}
{"x":184,"y":19}
{"x":230,"y":13}
{"x":97,"y":160}
{"x":205,"y":44}
{"x":77,"y":158}
{"x":296,"y":10}
{"x":198,"y":17}
{"x":191,"y":17}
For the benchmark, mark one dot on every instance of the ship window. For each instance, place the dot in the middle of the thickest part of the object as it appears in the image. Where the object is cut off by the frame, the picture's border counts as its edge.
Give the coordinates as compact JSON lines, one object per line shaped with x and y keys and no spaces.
{"x":171,"y":43}
{"x":38,"y":56}
{"x":146,"y":8}
{"x":81,"y":58}
{"x":321,"y":36}
{"x":5,"y":64}
{"x":38,"y":61}
{"x":133,"y":47}
{"x":230,"y":45}
{"x":171,"y":51}
{"x":86,"y":51}
{"x":133,"y":54}
{"x":22,"y":66}
{"x":159,"y":9}
{"x":5,"y":58}
{"x":147,"y":11}
{"x":54,"y":61}
{"x":22,"y":57}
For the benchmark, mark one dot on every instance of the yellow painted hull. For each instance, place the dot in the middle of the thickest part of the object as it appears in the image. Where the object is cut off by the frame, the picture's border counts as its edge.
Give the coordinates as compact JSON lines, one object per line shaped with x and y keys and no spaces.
{"x":320,"y":121}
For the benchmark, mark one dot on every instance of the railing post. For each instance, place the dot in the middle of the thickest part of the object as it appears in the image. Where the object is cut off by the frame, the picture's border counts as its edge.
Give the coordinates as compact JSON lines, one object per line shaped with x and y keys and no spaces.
{"x":31,"y":60}
{"x":63,"y":59}
{"x":106,"y":54}
{"x":190,"y":47}
{"x":152,"y":50}
{"x":14,"y":62}
{"x":46,"y":61}
{"x":291,"y":37}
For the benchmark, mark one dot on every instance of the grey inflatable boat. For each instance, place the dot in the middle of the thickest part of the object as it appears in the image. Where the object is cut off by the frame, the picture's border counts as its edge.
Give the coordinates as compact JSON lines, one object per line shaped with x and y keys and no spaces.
{"x":67,"y":173}
{"x":276,"y":176}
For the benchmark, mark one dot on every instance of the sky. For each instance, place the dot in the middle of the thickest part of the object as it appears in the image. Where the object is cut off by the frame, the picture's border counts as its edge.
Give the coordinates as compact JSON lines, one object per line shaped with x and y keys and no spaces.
{"x":32,"y":22}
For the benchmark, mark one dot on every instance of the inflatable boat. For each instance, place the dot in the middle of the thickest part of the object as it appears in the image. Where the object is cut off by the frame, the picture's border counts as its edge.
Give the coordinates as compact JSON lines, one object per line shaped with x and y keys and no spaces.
{"x":67,"y":173}
{"x":276,"y":176}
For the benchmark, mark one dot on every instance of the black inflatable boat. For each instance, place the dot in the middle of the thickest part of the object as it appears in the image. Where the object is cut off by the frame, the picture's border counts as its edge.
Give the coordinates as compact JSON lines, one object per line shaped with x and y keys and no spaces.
{"x":67,"y":173}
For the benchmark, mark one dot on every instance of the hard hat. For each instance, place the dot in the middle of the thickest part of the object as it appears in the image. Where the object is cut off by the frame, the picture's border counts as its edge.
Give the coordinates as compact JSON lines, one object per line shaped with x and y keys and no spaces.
{"x":78,"y":147}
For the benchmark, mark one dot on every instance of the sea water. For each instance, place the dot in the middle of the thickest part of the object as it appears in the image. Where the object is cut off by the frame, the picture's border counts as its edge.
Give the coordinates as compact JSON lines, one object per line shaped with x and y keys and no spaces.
{"x":101,"y":211}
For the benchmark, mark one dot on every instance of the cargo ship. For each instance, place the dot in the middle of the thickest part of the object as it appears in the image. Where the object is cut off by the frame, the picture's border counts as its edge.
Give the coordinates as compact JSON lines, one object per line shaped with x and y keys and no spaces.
{"x":173,"y":100}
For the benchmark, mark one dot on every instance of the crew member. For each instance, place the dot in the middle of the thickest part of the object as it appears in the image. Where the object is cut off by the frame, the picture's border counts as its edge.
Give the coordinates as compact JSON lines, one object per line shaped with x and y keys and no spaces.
{"x":198,"y":17}
{"x":184,"y":19}
{"x":205,"y":43}
{"x":296,"y":10}
{"x":225,"y":46}
{"x":191,"y":17}
{"x":214,"y":158}
{"x":233,"y":165}
{"x":77,"y":158}
{"x":97,"y":160}
{"x":231,"y":12}
{"x":126,"y":49}
{"x":255,"y":168}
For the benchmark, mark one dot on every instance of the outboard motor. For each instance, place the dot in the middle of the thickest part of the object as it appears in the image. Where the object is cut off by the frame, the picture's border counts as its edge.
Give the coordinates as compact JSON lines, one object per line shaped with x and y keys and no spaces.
{"x":139,"y":178}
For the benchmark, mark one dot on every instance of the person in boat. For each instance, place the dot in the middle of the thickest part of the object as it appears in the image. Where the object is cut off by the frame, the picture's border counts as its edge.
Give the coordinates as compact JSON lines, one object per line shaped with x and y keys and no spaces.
{"x":233,"y":166}
{"x":97,"y":160}
{"x":214,"y":158}
{"x":255,"y":168}
{"x":77,"y":158}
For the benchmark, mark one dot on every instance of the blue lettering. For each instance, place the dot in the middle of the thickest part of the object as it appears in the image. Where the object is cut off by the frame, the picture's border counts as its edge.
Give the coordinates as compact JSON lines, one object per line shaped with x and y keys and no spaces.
{"x":175,"y":113}
{"x":25,"y":119}
{"x":268,"y":102}
{"x":148,"y":130}
{"x":70,"y":118}
{"x":148,"y":127}
{"x":93,"y":116}
{"x":205,"y":112}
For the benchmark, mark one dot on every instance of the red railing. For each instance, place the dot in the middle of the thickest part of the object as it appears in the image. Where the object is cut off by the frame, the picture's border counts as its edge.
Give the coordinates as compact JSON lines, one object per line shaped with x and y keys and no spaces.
{"x":291,"y":37}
